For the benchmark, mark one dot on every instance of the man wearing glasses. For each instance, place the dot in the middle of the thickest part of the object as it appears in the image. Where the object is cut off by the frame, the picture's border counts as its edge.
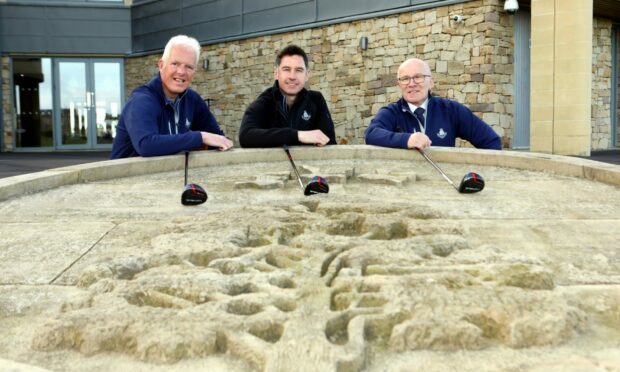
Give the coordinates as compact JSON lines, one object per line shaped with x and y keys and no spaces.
{"x":165,"y":116}
{"x":418,"y":119}
{"x":287,"y":113}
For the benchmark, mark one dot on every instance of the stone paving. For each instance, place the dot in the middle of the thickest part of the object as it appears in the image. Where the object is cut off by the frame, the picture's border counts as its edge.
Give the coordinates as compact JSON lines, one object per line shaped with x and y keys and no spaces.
{"x":392,"y":270}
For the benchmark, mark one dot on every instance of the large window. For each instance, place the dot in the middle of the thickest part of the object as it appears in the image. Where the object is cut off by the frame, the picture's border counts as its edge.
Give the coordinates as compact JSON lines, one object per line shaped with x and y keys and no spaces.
{"x":79,"y":110}
{"x":32,"y":82}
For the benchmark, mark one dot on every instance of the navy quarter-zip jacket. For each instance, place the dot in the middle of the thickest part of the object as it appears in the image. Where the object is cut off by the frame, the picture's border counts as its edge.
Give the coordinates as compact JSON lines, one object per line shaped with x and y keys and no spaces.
{"x":152,"y":125}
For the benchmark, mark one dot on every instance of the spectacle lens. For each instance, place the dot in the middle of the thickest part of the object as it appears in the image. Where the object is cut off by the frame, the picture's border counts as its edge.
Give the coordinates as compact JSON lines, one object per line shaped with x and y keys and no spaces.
{"x":418,"y":79}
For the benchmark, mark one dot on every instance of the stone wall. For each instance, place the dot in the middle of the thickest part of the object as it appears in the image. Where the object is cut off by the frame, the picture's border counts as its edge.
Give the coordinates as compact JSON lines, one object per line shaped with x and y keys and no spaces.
{"x":471,"y":63}
{"x":7,"y":110}
{"x":601,"y":84}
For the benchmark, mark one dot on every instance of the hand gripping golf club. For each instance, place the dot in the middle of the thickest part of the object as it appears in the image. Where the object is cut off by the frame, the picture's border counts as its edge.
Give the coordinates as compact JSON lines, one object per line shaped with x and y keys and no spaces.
{"x":317,"y":184}
{"x":193,"y":194}
{"x":471,"y":182}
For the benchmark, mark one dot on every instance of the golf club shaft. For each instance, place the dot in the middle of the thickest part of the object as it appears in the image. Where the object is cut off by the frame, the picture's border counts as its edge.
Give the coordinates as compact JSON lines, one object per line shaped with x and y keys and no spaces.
{"x":290,"y":158}
{"x":186,"y":163}
{"x":437,"y":168}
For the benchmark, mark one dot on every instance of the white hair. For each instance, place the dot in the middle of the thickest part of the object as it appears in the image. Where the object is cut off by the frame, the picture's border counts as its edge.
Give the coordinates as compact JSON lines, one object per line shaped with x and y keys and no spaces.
{"x":183,"y":40}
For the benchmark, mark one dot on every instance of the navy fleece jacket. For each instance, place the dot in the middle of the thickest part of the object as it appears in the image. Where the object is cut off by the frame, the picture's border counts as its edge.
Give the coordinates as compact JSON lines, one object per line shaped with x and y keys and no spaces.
{"x":150,"y":126}
{"x":445,"y":121}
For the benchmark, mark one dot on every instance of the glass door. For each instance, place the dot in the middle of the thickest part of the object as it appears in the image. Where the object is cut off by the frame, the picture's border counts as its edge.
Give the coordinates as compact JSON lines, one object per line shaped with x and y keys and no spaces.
{"x":107,"y":100}
{"x":73,"y":104}
{"x":88,"y":97}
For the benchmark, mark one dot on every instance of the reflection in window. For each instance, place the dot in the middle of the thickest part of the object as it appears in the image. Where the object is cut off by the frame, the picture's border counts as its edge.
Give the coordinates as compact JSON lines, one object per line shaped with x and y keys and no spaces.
{"x":107,"y":100}
{"x":33,"y":102}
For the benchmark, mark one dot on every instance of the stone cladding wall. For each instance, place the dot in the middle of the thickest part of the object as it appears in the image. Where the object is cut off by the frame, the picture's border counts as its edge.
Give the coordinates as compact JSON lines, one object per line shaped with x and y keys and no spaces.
{"x":601,"y":83}
{"x":471,"y":62}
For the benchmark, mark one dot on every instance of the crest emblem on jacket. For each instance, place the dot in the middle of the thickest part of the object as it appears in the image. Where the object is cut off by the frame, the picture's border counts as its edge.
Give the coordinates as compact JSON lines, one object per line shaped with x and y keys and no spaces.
{"x":188,"y":123}
{"x":306,"y":116}
{"x":441,"y":134}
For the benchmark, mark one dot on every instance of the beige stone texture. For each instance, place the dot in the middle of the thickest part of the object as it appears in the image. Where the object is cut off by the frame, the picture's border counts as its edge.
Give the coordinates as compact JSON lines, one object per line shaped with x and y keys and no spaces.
{"x":391,"y":270}
{"x":562,"y":33}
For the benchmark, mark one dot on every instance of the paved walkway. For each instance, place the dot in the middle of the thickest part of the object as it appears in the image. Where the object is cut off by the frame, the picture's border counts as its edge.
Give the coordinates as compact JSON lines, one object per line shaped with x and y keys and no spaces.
{"x":16,"y":163}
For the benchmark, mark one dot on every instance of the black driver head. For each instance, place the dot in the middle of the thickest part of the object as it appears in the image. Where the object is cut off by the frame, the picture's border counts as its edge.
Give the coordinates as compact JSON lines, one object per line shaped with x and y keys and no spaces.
{"x":317,"y":185}
{"x":193,"y":195}
{"x":471,"y":183}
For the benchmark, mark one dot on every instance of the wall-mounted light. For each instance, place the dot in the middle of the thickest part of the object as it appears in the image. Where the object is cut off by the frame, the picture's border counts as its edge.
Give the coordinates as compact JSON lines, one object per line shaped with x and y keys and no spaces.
{"x":511,"y":6}
{"x":205,"y":63}
{"x":363,"y":42}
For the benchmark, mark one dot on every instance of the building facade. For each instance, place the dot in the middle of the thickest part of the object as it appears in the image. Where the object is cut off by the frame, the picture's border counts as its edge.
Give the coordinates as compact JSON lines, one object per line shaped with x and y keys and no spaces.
{"x":538,"y":85}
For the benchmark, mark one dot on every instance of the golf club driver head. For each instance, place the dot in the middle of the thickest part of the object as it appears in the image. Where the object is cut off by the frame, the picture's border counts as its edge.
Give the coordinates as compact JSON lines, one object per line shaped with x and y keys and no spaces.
{"x":317,"y":185}
{"x":471,"y":183}
{"x":193,"y":195}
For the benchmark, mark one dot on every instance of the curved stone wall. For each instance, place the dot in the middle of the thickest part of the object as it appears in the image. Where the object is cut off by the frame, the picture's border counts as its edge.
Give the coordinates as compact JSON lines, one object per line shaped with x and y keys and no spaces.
{"x":103,"y":268}
{"x":564,"y":165}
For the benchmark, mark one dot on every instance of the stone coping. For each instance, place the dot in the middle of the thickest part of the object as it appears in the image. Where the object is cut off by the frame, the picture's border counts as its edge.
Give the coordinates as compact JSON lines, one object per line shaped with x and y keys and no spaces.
{"x":110,"y":169}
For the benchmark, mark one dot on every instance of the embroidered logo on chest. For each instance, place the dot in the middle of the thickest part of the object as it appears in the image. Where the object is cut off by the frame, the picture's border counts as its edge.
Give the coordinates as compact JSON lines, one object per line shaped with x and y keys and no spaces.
{"x":306,"y":116}
{"x":188,"y":123}
{"x":441,"y":134}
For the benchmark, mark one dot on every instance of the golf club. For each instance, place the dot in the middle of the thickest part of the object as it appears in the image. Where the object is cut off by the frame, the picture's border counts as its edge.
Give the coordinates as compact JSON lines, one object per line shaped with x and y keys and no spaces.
{"x":317,"y":184}
{"x":193,"y":194}
{"x":471,"y":182}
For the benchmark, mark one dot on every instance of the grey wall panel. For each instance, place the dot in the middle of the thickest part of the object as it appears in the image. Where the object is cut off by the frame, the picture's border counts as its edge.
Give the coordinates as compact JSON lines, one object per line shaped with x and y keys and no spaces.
{"x":153,"y":8}
{"x":189,"y":3}
{"x":215,"y":29}
{"x":279,"y":17}
{"x":330,"y":9}
{"x":250,"y":6}
{"x":25,"y":12}
{"x":155,"y":41}
{"x":93,"y":44}
{"x":156,"y":23}
{"x":25,"y":44}
{"x":58,"y":12}
{"x":65,"y":29}
{"x":212,"y":11}
{"x":89,"y":28}
{"x":23,"y":27}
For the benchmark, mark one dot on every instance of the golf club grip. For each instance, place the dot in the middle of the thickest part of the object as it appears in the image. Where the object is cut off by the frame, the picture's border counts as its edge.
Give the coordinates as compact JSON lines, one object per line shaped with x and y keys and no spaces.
{"x":186,"y":164}
{"x":290,"y":158}
{"x":437,"y":168}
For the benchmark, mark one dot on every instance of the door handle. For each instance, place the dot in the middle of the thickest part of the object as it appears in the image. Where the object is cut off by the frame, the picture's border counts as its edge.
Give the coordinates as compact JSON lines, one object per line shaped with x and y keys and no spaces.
{"x":90,"y":99}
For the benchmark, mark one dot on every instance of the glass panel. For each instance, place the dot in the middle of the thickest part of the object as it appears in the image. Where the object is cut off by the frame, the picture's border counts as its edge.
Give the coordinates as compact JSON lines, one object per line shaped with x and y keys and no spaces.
{"x":617,"y":98}
{"x":32,"y":84}
{"x":107,"y":100}
{"x":73,"y":103}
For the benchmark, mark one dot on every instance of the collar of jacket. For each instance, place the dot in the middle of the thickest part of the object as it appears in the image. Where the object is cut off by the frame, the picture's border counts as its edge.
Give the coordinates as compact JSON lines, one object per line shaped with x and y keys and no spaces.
{"x":277,"y":93}
{"x":157,"y":86}
{"x":403,"y":106}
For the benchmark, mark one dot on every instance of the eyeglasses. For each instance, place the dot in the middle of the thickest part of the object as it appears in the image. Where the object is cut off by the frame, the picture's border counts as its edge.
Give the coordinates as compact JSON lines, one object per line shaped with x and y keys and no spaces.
{"x":418,"y":79}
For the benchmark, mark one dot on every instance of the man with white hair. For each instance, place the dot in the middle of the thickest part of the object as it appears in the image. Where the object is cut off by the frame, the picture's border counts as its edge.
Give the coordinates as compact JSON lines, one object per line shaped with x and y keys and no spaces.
{"x":165,"y":116}
{"x":418,"y":119}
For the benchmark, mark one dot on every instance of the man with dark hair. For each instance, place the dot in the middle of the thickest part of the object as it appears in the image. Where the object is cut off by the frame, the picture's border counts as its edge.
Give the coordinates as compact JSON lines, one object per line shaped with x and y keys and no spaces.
{"x":287,"y":113}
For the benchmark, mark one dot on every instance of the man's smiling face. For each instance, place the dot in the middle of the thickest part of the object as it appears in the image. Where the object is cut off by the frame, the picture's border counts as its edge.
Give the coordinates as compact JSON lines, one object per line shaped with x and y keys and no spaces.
{"x":177,"y":71}
{"x":415,"y":93}
{"x":292,"y":75}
